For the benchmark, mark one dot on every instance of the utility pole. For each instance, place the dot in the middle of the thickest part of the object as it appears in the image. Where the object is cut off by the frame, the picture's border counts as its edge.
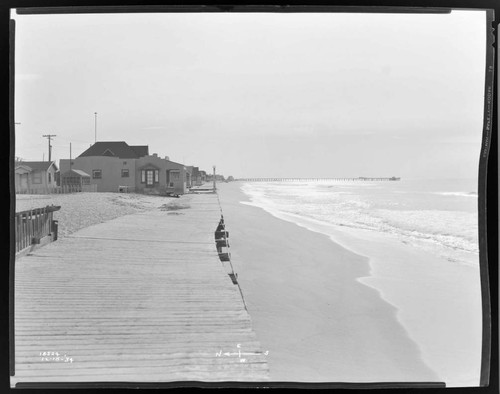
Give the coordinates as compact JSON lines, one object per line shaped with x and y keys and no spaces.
{"x":70,"y":156}
{"x":95,"y":127}
{"x":215,"y":188}
{"x":49,"y":136}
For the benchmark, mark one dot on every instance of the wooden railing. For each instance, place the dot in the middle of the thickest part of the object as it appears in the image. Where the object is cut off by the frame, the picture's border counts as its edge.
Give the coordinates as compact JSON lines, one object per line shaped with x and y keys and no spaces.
{"x":33,"y":225}
{"x":64,"y":189}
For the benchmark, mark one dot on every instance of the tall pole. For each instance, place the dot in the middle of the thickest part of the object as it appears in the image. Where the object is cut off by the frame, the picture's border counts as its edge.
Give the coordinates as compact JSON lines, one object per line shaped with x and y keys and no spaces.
{"x":70,"y":156}
{"x":215,"y":188}
{"x":95,"y":127}
{"x":49,"y":137}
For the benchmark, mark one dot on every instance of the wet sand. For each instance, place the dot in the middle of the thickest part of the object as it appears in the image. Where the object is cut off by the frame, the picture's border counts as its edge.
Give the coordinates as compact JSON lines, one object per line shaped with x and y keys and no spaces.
{"x":317,"y":321}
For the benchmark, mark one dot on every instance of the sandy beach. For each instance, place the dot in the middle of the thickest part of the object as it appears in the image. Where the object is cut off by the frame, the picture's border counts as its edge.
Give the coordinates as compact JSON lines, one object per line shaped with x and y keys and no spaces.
{"x":437,"y":296}
{"x":319,"y":323}
{"x":80,"y":210}
{"x":324,"y":310}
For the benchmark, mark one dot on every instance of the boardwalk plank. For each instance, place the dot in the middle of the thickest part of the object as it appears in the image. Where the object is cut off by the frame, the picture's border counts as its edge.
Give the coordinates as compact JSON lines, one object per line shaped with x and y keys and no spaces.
{"x":143,"y":297}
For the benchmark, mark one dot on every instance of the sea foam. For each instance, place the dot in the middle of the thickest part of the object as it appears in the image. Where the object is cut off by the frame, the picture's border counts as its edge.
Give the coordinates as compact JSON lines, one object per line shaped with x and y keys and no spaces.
{"x":437,"y":220}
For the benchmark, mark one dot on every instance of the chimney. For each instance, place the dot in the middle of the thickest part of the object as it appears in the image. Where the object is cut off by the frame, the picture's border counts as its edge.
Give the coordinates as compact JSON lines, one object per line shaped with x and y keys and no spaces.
{"x":155,"y":154}
{"x":167,"y":158}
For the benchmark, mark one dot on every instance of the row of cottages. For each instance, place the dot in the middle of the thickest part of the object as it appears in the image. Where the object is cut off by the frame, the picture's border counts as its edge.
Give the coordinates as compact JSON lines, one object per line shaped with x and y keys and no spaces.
{"x":198,"y":177}
{"x":34,"y":176}
{"x":115,"y":165}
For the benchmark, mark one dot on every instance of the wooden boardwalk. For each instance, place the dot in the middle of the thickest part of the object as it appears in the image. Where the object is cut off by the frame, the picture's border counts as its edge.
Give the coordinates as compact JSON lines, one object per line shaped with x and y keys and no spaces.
{"x":142,"y":298}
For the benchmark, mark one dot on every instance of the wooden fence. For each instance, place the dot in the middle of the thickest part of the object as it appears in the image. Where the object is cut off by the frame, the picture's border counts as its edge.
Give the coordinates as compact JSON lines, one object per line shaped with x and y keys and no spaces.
{"x":64,"y":189}
{"x":33,"y":225}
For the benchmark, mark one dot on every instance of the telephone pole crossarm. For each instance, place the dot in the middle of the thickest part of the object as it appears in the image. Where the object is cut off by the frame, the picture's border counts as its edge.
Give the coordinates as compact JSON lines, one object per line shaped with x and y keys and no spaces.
{"x":49,"y":137}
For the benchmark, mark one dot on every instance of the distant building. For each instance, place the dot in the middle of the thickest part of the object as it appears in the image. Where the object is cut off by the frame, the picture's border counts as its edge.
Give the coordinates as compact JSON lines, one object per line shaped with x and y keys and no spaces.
{"x":35,"y":176}
{"x":218,"y":178}
{"x":196,"y":177}
{"x":189,"y":178}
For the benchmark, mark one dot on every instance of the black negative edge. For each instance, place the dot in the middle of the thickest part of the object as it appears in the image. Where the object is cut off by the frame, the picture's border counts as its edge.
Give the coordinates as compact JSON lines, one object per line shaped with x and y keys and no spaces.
{"x":482,"y":201}
{"x":231,"y":384}
{"x":489,"y":79}
{"x":12,"y":258}
{"x":230,"y":8}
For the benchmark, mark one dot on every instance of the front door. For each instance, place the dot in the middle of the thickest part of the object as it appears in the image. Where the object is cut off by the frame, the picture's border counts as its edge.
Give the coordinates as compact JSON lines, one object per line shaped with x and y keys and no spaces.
{"x":24,"y":181}
{"x":149,"y":178}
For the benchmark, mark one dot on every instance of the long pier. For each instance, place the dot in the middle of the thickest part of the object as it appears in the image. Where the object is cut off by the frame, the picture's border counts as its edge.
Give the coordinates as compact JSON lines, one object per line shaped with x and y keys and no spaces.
{"x":315,"y":179}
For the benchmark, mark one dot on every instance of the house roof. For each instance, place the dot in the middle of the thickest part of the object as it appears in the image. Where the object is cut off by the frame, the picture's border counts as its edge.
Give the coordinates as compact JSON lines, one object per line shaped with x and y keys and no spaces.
{"x":76,"y":172}
{"x":115,"y":148}
{"x":148,"y":166}
{"x":141,"y":150}
{"x":80,"y":172}
{"x":38,"y":165}
{"x":174,"y":162}
{"x":20,"y":167}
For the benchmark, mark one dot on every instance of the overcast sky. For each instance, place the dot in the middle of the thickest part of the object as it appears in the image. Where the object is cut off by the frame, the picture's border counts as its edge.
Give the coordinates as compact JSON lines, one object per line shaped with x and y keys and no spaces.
{"x":256,"y":94}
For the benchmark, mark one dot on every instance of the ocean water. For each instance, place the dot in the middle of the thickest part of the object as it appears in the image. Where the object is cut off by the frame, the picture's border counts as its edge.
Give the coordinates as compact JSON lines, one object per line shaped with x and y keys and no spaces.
{"x":439,"y":216}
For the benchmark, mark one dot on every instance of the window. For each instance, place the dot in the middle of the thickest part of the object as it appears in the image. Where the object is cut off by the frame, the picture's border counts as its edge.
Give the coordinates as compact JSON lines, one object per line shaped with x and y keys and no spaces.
{"x":150,"y":177}
{"x":50,"y":178}
{"x":175,"y":175}
{"x":125,"y":173}
{"x":37,"y":177}
{"x":96,"y":174}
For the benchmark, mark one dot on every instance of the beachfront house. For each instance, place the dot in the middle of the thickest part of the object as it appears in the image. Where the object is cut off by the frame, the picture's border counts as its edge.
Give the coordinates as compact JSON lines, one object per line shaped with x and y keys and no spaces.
{"x":35,"y":176}
{"x":189,"y":177}
{"x":196,"y":176}
{"x":156,"y":175}
{"x":110,"y":164}
{"x":116,"y":166}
